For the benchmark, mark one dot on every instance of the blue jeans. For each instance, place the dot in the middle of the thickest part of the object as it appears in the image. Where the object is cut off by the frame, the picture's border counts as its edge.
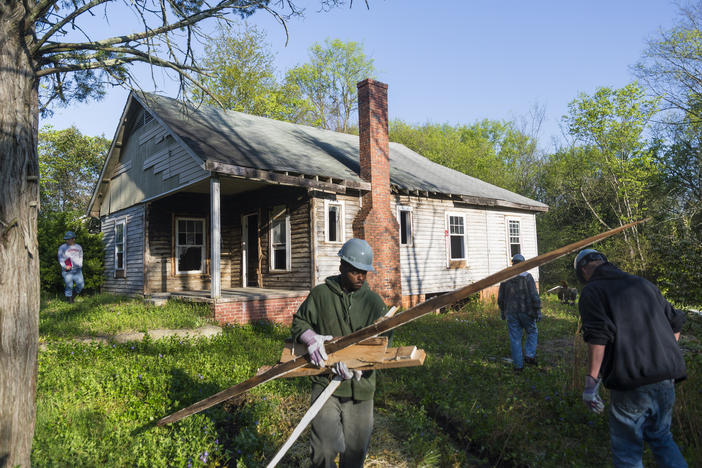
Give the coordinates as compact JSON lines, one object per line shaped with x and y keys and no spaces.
{"x":74,"y":275}
{"x":639,"y":415}
{"x":515,"y":324}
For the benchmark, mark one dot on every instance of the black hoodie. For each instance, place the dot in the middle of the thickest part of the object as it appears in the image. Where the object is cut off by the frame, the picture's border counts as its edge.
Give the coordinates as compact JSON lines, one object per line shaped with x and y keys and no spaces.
{"x":636,"y":324}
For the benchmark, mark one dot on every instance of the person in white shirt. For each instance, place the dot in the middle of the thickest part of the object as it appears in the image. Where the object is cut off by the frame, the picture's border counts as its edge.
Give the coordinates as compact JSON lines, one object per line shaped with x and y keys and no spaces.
{"x":70,"y":257}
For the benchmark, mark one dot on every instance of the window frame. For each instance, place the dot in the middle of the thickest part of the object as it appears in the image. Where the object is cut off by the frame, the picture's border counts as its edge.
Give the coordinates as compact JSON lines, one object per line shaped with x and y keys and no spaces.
{"x":450,"y":261}
{"x":176,"y":244}
{"x":341,"y":222}
{"x":407,"y":209}
{"x":120,"y":272}
{"x":508,"y":221}
{"x":272,"y":218}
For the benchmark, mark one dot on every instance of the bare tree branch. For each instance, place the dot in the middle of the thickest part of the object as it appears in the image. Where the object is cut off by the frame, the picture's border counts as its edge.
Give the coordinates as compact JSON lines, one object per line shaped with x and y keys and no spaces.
{"x":70,"y":17}
{"x":149,"y":33}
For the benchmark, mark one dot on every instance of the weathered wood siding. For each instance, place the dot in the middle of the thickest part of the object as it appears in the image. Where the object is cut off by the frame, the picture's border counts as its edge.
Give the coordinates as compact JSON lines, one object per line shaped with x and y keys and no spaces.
{"x":150,"y":163}
{"x":327,"y":260}
{"x":424,"y":264}
{"x":161,"y":215}
{"x":160,"y":268}
{"x":297,"y":204}
{"x":133,"y":280}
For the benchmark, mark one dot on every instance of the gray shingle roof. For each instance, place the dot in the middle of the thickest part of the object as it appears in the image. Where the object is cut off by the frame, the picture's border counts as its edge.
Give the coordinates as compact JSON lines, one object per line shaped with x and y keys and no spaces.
{"x":256,"y":142}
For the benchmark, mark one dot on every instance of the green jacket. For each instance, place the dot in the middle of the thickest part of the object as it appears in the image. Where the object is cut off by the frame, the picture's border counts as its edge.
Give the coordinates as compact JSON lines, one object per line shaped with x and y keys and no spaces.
{"x":328,"y":310}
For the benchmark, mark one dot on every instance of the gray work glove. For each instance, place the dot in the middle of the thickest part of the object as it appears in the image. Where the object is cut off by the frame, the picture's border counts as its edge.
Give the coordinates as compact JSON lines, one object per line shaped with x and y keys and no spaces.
{"x":345,"y":373}
{"x":315,"y":346}
{"x":591,"y":396}
{"x":538,"y":314}
{"x":502,"y":315}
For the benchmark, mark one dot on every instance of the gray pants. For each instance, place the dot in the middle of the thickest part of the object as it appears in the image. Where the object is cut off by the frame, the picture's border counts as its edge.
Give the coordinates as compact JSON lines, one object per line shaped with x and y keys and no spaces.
{"x":343,"y":426}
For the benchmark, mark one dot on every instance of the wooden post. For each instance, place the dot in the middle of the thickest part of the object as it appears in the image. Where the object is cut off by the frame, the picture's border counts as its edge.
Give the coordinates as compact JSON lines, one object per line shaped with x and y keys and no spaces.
{"x":215,"y":239}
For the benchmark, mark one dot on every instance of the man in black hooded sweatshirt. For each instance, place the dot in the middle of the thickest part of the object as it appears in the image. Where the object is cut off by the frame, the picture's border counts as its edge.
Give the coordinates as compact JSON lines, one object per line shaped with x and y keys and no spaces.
{"x":631,"y":332}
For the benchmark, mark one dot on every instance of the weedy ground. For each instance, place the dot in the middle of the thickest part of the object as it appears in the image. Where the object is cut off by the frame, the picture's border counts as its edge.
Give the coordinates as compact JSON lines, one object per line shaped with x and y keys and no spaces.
{"x":96,"y":403}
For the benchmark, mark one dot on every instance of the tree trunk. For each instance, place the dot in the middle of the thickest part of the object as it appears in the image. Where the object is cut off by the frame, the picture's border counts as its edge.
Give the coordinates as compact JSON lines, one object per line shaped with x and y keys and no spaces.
{"x":19,"y":261}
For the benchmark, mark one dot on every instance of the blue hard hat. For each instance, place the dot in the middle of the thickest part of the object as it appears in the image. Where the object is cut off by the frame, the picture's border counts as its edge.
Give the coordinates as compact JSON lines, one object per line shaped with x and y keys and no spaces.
{"x":358,"y":253}
{"x":69,"y":235}
{"x":584,"y":257}
{"x":517,"y":258}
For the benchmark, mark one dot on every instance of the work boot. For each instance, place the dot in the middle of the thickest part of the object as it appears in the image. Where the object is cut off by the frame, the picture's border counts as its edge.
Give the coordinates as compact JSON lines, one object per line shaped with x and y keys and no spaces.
{"x":530,"y":361}
{"x":69,"y":299}
{"x":517,"y":370}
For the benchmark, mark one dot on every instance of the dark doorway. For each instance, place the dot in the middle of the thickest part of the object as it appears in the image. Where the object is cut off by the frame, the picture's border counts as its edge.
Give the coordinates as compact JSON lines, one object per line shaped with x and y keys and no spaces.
{"x":251,"y":250}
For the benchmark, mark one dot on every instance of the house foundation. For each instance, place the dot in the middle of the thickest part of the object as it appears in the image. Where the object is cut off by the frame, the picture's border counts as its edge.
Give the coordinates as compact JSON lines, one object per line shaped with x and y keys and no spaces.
{"x":277,"y":310}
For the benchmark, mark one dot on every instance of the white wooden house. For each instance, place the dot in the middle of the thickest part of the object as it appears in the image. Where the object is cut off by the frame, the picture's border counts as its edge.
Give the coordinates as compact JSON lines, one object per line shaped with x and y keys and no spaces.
{"x":248,"y":213}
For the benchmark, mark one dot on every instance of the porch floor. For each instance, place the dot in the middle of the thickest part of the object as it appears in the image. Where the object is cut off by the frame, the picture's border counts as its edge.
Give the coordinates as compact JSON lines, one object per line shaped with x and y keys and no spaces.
{"x":233,"y":294}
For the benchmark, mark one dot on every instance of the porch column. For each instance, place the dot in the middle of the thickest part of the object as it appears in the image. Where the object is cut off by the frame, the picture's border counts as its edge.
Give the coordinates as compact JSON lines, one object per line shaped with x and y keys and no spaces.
{"x":215,"y":239}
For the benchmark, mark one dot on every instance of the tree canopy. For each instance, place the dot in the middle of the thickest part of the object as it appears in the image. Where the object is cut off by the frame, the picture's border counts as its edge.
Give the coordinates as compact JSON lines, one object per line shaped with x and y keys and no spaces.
{"x":69,"y":164}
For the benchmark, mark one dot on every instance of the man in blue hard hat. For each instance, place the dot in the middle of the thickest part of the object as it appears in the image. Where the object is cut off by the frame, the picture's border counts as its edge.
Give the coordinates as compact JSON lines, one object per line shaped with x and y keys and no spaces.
{"x":343,"y":304}
{"x":70,"y":257}
{"x":520,"y":305}
{"x":631,"y":332}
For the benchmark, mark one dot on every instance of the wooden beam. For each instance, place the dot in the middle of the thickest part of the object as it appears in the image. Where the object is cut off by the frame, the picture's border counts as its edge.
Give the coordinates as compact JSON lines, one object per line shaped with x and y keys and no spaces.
{"x":215,"y":238}
{"x":482,"y":201}
{"x":400,"y":319}
{"x":282,"y":179}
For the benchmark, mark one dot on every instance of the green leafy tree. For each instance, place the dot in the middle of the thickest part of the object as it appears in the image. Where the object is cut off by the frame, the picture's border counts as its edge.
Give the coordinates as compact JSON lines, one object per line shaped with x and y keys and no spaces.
{"x":671,"y":65}
{"x":69,"y":166}
{"x":610,"y":124}
{"x":241,"y":74}
{"x":493,"y":151}
{"x":49,"y":58}
{"x":328,"y":83}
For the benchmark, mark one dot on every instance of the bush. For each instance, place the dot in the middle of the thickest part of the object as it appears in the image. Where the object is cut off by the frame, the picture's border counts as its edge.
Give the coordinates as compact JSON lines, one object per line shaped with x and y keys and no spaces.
{"x":51,"y":228}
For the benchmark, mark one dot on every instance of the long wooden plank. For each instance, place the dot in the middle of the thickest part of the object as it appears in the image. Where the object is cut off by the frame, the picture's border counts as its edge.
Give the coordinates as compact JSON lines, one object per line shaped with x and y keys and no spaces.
{"x":401,"y":318}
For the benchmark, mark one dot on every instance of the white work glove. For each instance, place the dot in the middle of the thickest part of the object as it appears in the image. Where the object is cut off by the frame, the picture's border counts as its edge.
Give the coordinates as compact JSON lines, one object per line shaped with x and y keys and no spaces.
{"x":315,"y":346}
{"x":345,"y":373}
{"x":591,"y":396}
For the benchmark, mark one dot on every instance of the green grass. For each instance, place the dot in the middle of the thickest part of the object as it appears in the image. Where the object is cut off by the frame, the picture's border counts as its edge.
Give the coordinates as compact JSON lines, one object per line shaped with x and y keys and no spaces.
{"x":95,"y":402}
{"x":107,"y":314}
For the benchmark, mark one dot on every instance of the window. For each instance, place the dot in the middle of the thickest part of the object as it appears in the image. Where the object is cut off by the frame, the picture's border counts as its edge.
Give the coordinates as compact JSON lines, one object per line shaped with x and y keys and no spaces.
{"x":405,"y":219}
{"x":190,"y":245}
{"x":280,"y":239}
{"x":334,"y":221}
{"x":120,"y":242}
{"x":456,"y":233}
{"x":515,"y":244}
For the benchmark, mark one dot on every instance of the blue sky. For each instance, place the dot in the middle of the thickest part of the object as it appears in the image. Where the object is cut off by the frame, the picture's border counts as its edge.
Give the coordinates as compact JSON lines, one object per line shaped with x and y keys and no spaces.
{"x":457,"y":61}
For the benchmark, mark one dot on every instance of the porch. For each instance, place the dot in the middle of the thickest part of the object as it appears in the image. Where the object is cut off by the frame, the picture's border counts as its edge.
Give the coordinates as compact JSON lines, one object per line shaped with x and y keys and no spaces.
{"x":243,"y":305}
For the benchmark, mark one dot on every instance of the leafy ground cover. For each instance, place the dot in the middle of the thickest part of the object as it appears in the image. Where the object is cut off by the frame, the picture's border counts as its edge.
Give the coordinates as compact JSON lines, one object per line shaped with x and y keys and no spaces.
{"x":96,"y":403}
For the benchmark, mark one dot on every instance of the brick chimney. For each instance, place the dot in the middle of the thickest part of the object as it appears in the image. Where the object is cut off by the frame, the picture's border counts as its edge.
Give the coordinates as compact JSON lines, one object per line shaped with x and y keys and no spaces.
{"x":375,"y":222}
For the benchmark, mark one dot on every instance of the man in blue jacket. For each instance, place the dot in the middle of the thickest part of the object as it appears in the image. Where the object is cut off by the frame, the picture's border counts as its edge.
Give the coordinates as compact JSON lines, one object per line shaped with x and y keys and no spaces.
{"x":520,"y":305}
{"x":632,"y":333}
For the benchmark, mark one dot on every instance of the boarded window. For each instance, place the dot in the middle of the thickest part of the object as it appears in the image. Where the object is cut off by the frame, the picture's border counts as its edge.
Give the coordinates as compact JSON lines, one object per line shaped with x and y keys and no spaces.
{"x":405,"y":215}
{"x":280,"y":239}
{"x":515,"y":243}
{"x":457,"y":237}
{"x":190,"y":245}
{"x":334,"y":222}
{"x":120,"y":240}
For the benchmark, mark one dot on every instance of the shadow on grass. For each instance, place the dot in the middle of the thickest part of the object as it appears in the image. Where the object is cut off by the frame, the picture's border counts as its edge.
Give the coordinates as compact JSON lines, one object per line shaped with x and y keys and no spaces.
{"x":60,"y":319}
